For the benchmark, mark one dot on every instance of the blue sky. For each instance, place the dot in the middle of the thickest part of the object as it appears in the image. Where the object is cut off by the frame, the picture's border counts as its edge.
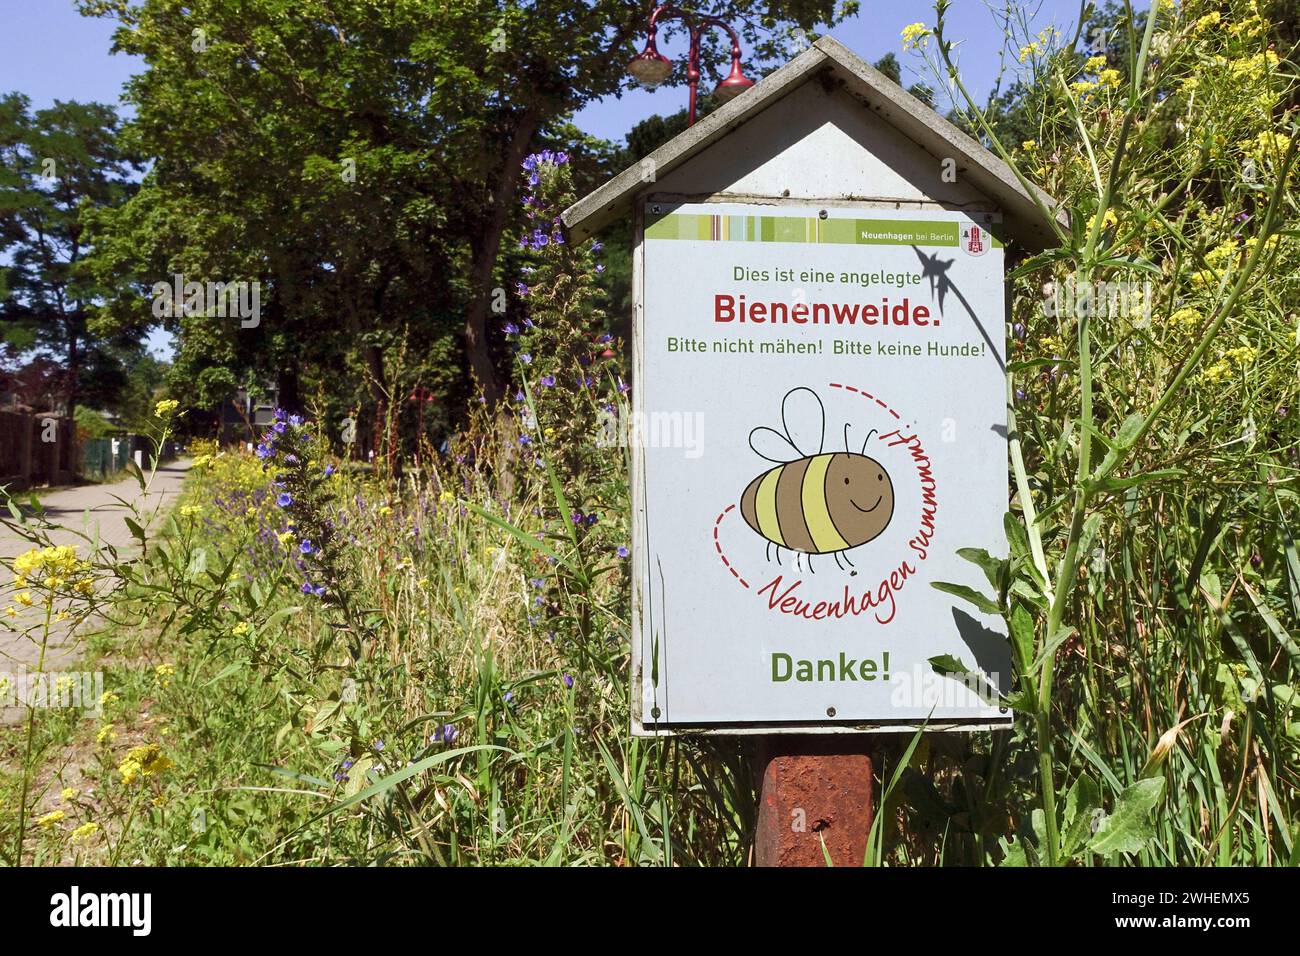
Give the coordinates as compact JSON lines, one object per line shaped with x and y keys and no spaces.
{"x":49,"y":52}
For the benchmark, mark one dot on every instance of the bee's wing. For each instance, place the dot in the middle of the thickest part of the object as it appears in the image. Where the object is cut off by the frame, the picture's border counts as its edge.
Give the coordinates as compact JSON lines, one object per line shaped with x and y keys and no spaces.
{"x":804,"y":419}
{"x":771,"y":444}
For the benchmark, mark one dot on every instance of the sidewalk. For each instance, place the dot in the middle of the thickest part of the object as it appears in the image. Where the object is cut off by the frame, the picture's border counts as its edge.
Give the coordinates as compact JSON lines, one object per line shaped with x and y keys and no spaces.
{"x":91,"y":510}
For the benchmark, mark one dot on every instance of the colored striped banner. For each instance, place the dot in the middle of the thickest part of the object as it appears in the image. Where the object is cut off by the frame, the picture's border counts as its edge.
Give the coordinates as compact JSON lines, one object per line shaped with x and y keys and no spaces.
{"x":702,"y":227}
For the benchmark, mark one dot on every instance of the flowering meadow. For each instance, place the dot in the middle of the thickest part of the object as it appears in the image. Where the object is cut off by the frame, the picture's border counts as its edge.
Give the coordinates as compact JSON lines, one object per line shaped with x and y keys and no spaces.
{"x":318,"y":662}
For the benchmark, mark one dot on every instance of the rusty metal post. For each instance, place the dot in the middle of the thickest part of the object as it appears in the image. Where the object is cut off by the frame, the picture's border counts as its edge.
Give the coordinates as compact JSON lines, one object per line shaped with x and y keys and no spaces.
{"x":813,"y":789}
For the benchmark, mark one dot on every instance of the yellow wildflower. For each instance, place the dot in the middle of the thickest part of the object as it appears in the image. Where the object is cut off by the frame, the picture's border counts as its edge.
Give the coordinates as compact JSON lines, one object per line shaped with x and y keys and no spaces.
{"x":10,"y":612}
{"x":1208,"y":22}
{"x":24,"y":598}
{"x":1029,"y":145}
{"x":1094,"y":63}
{"x":108,"y":697}
{"x":106,"y":735}
{"x":146,"y":759}
{"x":85,"y":831}
{"x":50,"y":819}
{"x":189,"y":511}
{"x":69,"y":793}
{"x":166,"y":407}
{"x":1109,"y":78}
{"x":385,"y":511}
{"x":240,"y":629}
{"x":915,"y":36}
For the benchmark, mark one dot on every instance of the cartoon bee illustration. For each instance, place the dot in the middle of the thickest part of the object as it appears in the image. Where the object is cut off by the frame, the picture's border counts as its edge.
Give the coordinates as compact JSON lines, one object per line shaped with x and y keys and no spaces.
{"x":815,"y":502}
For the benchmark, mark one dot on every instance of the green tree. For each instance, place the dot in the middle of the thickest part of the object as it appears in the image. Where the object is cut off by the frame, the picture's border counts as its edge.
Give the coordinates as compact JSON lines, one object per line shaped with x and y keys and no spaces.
{"x":58,"y":164}
{"x":361,"y":160}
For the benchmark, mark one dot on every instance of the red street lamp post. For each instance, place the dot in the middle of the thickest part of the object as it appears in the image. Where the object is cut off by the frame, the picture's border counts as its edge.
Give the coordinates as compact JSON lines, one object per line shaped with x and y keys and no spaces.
{"x":650,"y":67}
{"x":420,"y":395}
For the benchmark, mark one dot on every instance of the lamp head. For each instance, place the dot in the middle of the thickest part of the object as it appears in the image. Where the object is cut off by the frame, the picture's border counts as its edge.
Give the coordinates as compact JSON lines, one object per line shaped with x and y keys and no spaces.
{"x":735,"y":83}
{"x":650,"y":67}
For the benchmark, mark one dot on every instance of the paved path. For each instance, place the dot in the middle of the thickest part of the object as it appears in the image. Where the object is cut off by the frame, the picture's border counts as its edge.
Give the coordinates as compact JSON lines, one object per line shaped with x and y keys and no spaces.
{"x":84,"y":509}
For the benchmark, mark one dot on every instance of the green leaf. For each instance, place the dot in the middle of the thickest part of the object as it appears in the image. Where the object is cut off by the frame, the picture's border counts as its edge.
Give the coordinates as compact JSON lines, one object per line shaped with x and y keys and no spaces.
{"x":1129,"y":829}
{"x":1119,"y":484}
{"x":225,"y":672}
{"x":1060,"y":637}
{"x":1021,"y":626}
{"x":985,"y":604}
{"x":1018,"y":853}
{"x":992,"y":567}
{"x":1084,"y":797}
{"x":392,"y":780}
{"x":947,"y":664}
{"x":523,"y":536}
{"x":1017,"y":538}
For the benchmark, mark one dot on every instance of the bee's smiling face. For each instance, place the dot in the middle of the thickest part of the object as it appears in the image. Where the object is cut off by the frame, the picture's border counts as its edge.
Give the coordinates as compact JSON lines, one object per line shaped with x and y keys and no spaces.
{"x":859,"y":496}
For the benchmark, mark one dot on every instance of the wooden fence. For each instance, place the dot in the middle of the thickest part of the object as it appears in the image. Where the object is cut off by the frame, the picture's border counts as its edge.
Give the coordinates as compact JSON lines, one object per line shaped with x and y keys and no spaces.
{"x":36,"y":449}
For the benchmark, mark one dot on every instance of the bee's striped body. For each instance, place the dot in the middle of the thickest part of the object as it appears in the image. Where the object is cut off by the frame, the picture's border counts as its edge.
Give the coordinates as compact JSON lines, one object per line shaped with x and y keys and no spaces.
{"x":809,"y":504}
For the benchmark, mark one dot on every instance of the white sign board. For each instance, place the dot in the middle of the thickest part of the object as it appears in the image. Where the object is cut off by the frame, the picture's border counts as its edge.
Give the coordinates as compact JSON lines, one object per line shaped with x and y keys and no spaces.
{"x":819,"y":423}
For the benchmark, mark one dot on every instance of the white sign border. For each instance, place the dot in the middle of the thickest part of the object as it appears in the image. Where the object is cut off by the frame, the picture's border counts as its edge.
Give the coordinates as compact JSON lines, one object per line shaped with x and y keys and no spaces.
{"x":640,"y":726}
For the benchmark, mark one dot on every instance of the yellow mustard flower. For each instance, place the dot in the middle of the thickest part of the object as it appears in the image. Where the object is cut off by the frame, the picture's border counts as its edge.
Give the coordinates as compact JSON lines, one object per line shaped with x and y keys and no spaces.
{"x":51,"y":819}
{"x":145,"y":760}
{"x":69,"y":793}
{"x":915,"y":36}
{"x":166,"y":408}
{"x":84,"y":832}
